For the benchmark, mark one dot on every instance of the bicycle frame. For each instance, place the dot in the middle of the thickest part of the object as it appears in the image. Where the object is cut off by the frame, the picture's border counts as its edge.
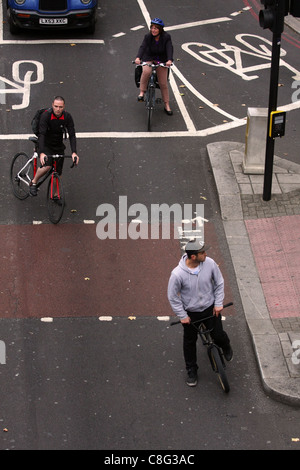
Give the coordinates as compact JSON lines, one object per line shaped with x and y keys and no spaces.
{"x":23,"y":169}
{"x":27,"y":164}
{"x":205,"y":335}
{"x":34,"y":159}
{"x":150,"y":100}
{"x":215,"y":353}
{"x":52,"y":179}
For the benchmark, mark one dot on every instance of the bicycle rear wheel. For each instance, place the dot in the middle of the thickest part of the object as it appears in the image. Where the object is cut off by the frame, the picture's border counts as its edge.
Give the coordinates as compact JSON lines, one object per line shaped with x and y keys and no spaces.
{"x":55,"y":198}
{"x":20,"y":166}
{"x":218,"y":367}
{"x":150,"y":105}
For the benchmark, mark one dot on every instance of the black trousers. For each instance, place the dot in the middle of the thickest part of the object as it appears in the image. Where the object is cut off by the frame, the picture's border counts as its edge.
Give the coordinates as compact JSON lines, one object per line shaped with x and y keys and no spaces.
{"x":59,"y":161}
{"x":190,"y":335}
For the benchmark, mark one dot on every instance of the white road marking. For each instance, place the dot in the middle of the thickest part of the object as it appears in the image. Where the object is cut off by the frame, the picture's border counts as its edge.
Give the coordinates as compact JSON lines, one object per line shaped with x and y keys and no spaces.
{"x":136,"y":28}
{"x":197,"y":23}
{"x":191,"y":130}
{"x":140,"y":135}
{"x":2,"y":92}
{"x":118,"y":35}
{"x":144,"y":12}
{"x":188,"y":121}
{"x":54,"y":41}
{"x":200,"y":96}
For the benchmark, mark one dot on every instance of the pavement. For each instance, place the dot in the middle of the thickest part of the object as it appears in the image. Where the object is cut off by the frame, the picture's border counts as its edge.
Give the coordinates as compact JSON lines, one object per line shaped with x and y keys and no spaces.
{"x":264,"y":242}
{"x":293,"y":23}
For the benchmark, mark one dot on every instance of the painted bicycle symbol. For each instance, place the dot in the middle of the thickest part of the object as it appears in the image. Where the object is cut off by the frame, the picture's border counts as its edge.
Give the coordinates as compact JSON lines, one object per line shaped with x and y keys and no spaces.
{"x":233,"y":57}
{"x":23,"y":79}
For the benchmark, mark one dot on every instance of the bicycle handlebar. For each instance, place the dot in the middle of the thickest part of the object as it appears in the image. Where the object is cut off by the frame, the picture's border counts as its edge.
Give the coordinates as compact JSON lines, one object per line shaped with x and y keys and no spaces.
{"x":63,"y":156}
{"x":202,"y":319}
{"x":160,"y":64}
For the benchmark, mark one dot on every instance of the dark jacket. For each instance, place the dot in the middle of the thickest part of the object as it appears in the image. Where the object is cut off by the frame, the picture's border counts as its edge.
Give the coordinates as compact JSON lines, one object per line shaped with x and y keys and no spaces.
{"x":160,"y":51}
{"x":52,"y":131}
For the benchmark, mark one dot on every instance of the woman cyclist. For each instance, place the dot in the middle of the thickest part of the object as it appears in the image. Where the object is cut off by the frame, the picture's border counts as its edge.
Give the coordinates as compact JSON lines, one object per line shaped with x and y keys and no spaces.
{"x":156,"y":47}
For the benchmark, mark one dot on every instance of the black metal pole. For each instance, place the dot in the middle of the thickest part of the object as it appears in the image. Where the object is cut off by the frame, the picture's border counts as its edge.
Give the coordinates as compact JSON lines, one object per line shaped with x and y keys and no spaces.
{"x":272,"y":107}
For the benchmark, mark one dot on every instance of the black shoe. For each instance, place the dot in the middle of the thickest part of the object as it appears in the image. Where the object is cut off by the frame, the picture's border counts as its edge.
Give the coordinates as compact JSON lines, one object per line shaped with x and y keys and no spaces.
{"x":169,"y":113}
{"x":192,"y":378}
{"x":140,"y":98}
{"x":33,"y":189}
{"x":228,"y":353}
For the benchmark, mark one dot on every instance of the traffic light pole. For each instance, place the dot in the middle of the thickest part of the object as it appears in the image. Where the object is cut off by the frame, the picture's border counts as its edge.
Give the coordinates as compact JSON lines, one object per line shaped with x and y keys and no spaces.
{"x":272,"y":17}
{"x":269,"y":159}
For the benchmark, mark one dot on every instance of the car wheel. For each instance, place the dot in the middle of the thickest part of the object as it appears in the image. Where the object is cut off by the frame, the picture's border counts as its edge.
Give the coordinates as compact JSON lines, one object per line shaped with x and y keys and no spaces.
{"x":91,"y":28}
{"x":13,"y":28}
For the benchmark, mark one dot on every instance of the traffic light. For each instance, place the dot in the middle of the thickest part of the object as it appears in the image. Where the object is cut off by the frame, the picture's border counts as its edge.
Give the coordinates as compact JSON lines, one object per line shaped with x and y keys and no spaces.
{"x":272,"y":17}
{"x":295,"y":8}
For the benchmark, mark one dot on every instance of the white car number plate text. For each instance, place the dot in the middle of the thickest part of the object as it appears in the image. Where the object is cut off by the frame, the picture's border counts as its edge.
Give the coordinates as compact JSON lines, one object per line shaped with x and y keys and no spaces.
{"x":53,"y":20}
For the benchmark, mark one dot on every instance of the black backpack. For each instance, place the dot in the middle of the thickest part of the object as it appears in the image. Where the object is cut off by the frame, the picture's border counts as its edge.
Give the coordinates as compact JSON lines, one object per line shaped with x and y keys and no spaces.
{"x":35,"y":123}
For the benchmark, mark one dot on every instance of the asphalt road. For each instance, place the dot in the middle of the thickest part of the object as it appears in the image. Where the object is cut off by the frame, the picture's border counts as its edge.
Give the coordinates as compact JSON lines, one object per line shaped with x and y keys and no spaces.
{"x":77,"y":381}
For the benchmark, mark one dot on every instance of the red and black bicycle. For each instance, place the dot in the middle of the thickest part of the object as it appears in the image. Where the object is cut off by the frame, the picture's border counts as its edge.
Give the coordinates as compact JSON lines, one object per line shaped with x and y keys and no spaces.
{"x":23,"y":169}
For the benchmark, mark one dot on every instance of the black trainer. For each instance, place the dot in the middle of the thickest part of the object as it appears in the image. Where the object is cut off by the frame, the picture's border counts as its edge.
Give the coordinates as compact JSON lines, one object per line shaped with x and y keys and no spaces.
{"x":33,"y":189}
{"x":192,"y":378}
{"x":228,"y":353}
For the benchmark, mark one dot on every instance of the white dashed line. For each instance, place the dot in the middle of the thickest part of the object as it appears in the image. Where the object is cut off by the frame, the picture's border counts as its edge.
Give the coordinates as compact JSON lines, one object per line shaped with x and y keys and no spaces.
{"x":109,"y":318}
{"x":118,"y":35}
{"x":136,"y":28}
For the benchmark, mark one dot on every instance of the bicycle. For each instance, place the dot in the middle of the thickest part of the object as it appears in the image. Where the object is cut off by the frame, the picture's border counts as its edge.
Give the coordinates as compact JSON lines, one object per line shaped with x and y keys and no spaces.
{"x":22,"y":171}
{"x":150,"y":93}
{"x":215,"y":353}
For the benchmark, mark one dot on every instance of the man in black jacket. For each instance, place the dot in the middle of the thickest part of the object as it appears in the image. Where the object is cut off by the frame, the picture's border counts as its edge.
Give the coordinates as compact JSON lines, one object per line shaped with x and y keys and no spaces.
{"x":156,"y":47}
{"x":54,"y":123}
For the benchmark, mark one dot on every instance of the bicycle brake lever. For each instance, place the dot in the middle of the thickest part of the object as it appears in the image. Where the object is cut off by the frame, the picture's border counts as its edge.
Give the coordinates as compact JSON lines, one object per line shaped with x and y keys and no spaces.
{"x":74,"y":162}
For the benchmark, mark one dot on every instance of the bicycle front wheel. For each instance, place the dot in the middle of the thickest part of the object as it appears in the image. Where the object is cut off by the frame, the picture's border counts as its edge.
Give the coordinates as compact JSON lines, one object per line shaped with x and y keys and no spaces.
{"x":150,"y":102}
{"x":55,"y":199}
{"x":218,"y":367}
{"x":21,"y":173}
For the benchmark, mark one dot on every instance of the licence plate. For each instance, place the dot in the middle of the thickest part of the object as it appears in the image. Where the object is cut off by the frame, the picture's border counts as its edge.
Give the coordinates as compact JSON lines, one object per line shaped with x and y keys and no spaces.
{"x":53,"y":21}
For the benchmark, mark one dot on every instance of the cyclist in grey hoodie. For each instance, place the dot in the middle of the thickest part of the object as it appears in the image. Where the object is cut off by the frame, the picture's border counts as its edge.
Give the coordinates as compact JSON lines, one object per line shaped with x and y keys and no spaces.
{"x":195,"y":291}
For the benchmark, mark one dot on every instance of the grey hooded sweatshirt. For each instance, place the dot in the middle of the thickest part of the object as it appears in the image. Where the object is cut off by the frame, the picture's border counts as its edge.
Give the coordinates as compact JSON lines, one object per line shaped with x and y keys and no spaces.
{"x":195,"y":291}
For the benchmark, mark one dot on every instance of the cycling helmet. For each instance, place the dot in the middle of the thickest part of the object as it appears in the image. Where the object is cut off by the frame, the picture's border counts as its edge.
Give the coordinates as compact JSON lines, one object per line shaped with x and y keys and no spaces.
{"x":158,"y":21}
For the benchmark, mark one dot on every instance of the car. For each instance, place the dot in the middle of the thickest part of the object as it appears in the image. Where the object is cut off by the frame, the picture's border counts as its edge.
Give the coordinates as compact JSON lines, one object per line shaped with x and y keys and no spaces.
{"x":51,"y":14}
